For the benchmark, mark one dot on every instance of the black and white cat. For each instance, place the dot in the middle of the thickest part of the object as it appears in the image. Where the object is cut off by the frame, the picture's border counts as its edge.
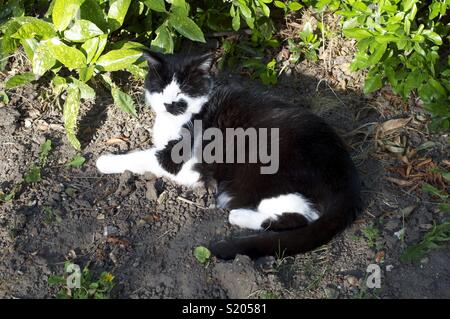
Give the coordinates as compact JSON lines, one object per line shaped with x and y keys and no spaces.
{"x":313,"y":195}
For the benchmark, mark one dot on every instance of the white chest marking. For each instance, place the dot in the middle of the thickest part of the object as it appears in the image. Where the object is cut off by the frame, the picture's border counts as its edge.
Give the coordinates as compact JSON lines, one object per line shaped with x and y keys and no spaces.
{"x":167,"y":127}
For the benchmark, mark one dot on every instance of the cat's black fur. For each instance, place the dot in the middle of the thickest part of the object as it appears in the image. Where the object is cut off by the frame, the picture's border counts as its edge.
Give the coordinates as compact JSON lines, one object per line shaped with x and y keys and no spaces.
{"x":313,"y":161}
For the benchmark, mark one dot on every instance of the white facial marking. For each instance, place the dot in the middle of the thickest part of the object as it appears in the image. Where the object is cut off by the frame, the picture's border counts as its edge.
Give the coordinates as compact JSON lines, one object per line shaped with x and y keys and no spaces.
{"x":168,"y":95}
{"x":172,"y":93}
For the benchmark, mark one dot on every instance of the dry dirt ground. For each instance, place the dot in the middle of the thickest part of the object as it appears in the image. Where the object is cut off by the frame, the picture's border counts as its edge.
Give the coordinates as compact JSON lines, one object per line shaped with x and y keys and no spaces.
{"x":152,"y":226}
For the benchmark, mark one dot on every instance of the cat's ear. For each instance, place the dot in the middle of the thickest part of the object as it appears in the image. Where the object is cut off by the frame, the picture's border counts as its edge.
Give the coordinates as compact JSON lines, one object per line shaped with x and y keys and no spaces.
{"x":204,"y":62}
{"x":153,"y":58}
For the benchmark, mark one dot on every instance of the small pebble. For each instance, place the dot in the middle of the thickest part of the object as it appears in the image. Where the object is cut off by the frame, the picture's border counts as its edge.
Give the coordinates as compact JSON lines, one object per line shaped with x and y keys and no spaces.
{"x":353,"y":281}
{"x":110,"y":230}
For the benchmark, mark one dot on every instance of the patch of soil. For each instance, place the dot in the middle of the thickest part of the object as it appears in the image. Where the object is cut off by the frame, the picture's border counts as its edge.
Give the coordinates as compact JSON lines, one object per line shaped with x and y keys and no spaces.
{"x":143,"y":230}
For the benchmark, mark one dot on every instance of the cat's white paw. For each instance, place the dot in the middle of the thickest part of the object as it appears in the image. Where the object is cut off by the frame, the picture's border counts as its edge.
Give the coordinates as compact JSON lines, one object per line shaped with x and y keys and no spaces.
{"x":246,"y":218}
{"x":188,"y":176}
{"x":107,"y":164}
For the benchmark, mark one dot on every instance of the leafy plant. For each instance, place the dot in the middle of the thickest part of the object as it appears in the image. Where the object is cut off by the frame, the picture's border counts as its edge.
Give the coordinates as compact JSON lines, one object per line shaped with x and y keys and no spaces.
{"x":34,"y":173}
{"x":251,"y":56}
{"x":202,"y":254}
{"x":371,"y":234}
{"x":10,"y":195}
{"x":76,"y":161}
{"x":440,"y":233}
{"x":307,"y":46}
{"x":50,"y":215}
{"x":288,"y":6}
{"x":265,"y":72}
{"x":443,"y":195}
{"x":91,"y":287}
{"x":401,"y":43}
{"x":432,"y":240}
{"x":77,"y":41}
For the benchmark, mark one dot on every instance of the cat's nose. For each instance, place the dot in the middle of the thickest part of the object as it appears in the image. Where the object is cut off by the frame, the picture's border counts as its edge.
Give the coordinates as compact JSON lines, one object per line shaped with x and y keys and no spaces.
{"x":176,"y":108}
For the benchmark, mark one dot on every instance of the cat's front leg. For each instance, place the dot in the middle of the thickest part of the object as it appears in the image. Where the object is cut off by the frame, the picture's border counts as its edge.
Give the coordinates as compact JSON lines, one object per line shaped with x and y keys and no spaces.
{"x":138,"y":162}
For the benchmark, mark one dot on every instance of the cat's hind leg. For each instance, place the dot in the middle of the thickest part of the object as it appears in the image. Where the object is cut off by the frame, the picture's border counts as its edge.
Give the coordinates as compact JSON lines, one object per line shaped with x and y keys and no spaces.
{"x":246,"y":218}
{"x":282,"y":212}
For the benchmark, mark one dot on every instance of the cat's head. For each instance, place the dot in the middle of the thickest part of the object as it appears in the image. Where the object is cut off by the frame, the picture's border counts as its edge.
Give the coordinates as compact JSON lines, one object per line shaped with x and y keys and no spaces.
{"x":177,"y":84}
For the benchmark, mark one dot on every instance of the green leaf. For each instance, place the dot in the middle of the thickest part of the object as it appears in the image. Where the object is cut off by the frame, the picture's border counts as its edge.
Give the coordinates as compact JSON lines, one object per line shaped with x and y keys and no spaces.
{"x":430,"y":189}
{"x":236,"y":22}
{"x":117,"y":12}
{"x":156,"y":5}
{"x":295,"y":6}
{"x":129,"y":45}
{"x":186,"y":27}
{"x":439,"y":89}
{"x":76,"y":162}
{"x":90,"y":48}
{"x":102,"y":40}
{"x":377,"y":54}
{"x":10,"y":196}
{"x":433,"y":36}
{"x":69,"y":56}
{"x":179,"y":7}
{"x":33,"y":175}
{"x":372,"y":83}
{"x":43,"y":59}
{"x":35,"y":27}
{"x":357,"y":33}
{"x":279,"y":4}
{"x":29,"y":46}
{"x":85,"y":74}
{"x":202,"y":254}
{"x":118,"y":59}
{"x":70,"y":114}
{"x":435,"y":9}
{"x":432,"y":240}
{"x":137,"y":71}
{"x":123,"y":101}
{"x":444,"y":207}
{"x":59,"y":84}
{"x":265,"y":9}
{"x":56,"y":280}
{"x":19,"y":80}
{"x":407,"y":4}
{"x":4,"y":97}
{"x":244,"y":9}
{"x":418,"y":48}
{"x":86,"y":92}
{"x":163,"y":41}
{"x":384,"y":38}
{"x":81,"y":31}
{"x":63,"y":12}
{"x":90,"y":10}
{"x":360,"y":61}
{"x":46,"y":147}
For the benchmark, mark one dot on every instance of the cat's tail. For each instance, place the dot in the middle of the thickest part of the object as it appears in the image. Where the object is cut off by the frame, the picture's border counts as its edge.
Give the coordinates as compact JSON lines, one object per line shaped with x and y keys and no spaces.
{"x":338,"y":213}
